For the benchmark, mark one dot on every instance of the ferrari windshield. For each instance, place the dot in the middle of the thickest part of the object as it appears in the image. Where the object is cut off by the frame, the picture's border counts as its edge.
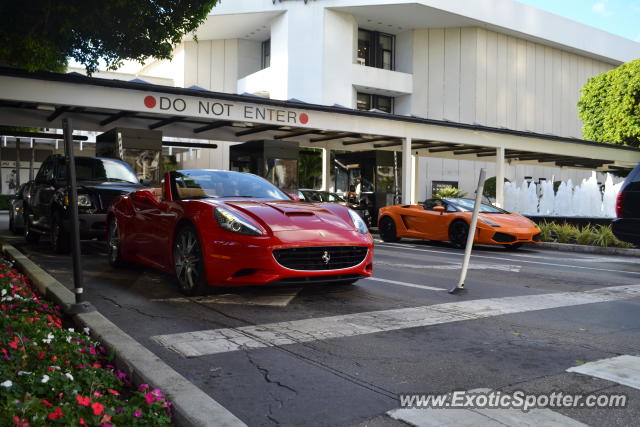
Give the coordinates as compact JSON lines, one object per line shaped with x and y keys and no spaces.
{"x":466,"y":205}
{"x":192,"y":184}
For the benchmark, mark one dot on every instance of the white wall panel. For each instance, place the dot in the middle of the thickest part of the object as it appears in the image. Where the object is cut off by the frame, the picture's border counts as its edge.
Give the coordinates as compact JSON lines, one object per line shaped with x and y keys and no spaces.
{"x":436,"y":73}
{"x":468,"y":65}
{"x":204,"y":63}
{"x":481,"y":77}
{"x":492,"y":79}
{"x":452,"y":74}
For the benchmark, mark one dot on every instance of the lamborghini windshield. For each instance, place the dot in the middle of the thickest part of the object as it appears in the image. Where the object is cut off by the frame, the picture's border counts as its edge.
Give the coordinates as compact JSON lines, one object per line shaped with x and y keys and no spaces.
{"x":198,"y":184}
{"x":466,"y":205}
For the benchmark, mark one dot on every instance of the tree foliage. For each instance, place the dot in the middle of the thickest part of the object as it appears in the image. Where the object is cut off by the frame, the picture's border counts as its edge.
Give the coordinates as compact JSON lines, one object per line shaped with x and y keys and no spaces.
{"x":43,"y":34}
{"x":449,"y":192}
{"x":489,"y":190}
{"x":610,"y":106}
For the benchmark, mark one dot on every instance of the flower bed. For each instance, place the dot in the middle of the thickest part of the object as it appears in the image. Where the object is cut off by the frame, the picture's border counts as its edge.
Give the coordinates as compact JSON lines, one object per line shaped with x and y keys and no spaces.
{"x":52,"y":375}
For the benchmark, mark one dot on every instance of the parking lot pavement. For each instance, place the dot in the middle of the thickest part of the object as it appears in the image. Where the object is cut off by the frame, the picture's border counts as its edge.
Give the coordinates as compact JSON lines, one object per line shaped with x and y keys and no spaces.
{"x":340,"y":355}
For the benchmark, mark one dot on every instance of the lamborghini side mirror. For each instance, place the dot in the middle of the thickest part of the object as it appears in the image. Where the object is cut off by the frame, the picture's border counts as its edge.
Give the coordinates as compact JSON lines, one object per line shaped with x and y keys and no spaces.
{"x":439,"y":209}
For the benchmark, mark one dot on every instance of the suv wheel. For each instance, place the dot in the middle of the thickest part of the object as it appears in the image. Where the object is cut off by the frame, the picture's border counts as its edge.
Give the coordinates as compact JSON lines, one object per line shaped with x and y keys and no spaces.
{"x":113,"y":242}
{"x":59,"y":236}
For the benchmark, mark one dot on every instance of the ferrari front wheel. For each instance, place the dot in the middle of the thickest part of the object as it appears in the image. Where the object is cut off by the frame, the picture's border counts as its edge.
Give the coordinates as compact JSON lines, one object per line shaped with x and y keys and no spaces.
{"x":388,"y":230}
{"x":458,"y":232}
{"x":188,"y":262}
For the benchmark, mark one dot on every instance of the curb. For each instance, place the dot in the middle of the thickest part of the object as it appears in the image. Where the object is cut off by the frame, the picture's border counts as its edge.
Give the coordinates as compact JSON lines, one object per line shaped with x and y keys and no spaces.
{"x":568,"y":247}
{"x":192,"y":407}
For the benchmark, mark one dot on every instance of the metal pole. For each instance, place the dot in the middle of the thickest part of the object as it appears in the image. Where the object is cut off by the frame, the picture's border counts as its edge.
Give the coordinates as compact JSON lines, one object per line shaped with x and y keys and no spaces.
{"x":31,"y":160}
{"x":67,"y":126}
{"x":471,"y":235}
{"x":17,"y":164}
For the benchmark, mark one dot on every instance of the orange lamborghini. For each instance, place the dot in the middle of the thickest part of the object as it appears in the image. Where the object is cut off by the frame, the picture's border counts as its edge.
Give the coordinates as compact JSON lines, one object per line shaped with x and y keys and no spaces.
{"x":449,"y":219}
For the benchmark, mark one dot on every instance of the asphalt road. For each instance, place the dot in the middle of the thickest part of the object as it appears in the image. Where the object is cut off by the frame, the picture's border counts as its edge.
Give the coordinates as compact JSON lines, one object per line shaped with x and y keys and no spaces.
{"x":340,"y":355}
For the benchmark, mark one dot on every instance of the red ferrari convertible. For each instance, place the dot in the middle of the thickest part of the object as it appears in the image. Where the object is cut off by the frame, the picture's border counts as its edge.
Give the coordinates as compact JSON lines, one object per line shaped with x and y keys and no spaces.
{"x":222,"y":228}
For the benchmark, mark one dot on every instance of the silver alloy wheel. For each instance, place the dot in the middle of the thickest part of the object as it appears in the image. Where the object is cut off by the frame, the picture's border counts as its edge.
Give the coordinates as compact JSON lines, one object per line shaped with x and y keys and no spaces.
{"x":187,"y":260}
{"x":114,"y":242}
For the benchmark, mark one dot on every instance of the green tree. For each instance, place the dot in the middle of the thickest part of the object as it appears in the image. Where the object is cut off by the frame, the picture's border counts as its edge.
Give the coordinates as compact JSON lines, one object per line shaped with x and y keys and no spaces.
{"x":44,"y":34}
{"x":489,"y":190}
{"x":610,"y":106}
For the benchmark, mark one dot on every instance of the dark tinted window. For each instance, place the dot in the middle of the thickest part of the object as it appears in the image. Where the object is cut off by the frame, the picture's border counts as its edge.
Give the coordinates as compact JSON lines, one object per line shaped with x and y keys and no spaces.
{"x":94,"y":169}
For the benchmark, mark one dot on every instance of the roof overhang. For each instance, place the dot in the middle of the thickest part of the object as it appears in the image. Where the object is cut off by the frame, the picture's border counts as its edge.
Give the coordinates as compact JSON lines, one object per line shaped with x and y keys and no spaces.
{"x":43,"y":99}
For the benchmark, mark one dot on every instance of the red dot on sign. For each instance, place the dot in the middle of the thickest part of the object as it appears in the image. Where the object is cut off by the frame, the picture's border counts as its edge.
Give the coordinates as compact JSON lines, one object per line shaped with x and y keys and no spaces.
{"x":149,"y":101}
{"x":304,"y":118}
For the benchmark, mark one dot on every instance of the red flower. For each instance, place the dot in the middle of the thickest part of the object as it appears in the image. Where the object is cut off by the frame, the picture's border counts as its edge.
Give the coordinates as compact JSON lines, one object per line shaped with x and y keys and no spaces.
{"x":84,"y":401}
{"x":20,"y":422}
{"x":114,"y":392}
{"x":55,"y":414}
{"x":82,"y":423}
{"x":97,"y":408}
{"x":14,"y":344}
{"x":46,"y":403}
{"x":54,"y":358}
{"x":51,"y":368}
{"x":41,"y":355}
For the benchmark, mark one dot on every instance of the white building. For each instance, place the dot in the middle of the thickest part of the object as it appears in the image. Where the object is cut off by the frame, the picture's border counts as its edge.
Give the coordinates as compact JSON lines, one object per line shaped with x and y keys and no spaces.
{"x":496,"y":63}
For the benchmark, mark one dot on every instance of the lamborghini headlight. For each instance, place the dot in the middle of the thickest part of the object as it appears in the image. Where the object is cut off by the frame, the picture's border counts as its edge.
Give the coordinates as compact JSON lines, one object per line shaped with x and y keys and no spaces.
{"x":358,"y":222}
{"x":488,"y":221}
{"x":233,"y":222}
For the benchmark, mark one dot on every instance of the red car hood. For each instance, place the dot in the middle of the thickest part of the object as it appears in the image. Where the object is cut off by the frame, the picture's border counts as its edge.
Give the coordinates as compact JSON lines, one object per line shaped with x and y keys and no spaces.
{"x":293,"y":215}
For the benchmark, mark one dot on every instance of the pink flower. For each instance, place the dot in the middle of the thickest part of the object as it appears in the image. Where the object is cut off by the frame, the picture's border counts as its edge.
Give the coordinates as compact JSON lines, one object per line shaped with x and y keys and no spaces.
{"x":150,"y":398}
{"x":84,"y":401}
{"x":143,"y":387}
{"x":137,"y":413}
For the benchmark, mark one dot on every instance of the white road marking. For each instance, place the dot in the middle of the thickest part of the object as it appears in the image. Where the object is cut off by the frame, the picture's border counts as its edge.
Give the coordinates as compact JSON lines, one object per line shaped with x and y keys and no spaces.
{"x":378,"y":247}
{"x":201,"y":343}
{"x":482,"y":418}
{"x":456,"y":266}
{"x":273,"y":297}
{"x":621,"y":369}
{"x":409,"y":285}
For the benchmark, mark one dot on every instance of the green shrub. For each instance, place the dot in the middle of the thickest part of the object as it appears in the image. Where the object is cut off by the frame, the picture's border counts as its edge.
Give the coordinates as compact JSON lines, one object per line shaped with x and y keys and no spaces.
{"x":565,"y":233}
{"x":586,"y":236}
{"x":489,"y":190}
{"x":603,"y":236}
{"x":4,"y":202}
{"x":449,"y":192}
{"x":546,"y":234}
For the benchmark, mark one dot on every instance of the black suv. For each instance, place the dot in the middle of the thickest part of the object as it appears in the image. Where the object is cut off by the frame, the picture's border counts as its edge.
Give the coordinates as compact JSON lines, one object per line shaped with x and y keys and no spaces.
{"x":627,"y":226}
{"x":100,"y":181}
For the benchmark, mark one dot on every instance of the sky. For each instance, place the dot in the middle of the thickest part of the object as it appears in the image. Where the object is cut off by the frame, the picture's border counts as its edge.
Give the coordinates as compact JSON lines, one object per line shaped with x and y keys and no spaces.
{"x":620,"y":17}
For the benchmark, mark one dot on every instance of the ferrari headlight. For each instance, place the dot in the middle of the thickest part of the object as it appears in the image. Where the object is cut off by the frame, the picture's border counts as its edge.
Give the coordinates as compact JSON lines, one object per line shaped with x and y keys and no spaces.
{"x":488,"y":221}
{"x":235,"y":223}
{"x":358,"y":222}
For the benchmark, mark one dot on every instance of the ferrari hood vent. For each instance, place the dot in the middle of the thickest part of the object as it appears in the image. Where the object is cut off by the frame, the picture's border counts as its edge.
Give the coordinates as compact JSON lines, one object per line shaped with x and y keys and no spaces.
{"x":299,"y":213}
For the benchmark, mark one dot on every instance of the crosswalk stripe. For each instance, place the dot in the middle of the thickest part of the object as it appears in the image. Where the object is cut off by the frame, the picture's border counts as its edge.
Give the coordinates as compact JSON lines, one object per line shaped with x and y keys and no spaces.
{"x":483,"y":418}
{"x":201,"y":343}
{"x":581,"y":267}
{"x":623,"y":370}
{"x":409,"y":285}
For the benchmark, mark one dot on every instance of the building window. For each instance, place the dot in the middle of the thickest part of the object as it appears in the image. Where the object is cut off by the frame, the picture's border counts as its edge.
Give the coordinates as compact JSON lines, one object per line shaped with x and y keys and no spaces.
{"x":266,"y":54}
{"x":376,"y":49}
{"x":368,"y":101}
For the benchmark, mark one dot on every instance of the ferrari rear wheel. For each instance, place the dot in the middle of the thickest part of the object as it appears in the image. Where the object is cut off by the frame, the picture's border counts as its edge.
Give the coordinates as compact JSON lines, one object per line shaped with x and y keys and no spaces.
{"x":513,"y":246}
{"x":114,"y":248}
{"x":458,"y":232}
{"x":188,"y":262}
{"x":388,"y":230}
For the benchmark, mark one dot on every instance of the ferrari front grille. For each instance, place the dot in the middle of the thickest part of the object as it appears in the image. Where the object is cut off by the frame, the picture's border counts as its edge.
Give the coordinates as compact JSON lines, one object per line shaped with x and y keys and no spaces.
{"x":320,"y":257}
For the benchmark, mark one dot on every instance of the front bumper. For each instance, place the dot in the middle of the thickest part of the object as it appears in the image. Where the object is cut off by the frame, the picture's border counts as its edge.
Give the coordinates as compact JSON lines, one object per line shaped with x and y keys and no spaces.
{"x":91,"y":225}
{"x":246,"y":260}
{"x":508,"y":236}
{"x":627,"y":229}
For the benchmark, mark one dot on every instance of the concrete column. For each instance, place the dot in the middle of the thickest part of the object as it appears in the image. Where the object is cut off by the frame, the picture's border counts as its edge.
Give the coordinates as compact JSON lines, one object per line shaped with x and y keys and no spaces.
{"x":326,"y":169}
{"x":17,"y":163}
{"x":31,"y":160}
{"x":500,"y":166}
{"x":415,"y":182}
{"x":407,"y":171}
